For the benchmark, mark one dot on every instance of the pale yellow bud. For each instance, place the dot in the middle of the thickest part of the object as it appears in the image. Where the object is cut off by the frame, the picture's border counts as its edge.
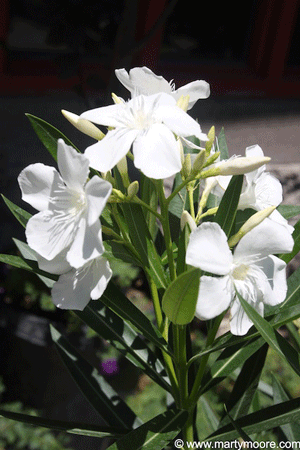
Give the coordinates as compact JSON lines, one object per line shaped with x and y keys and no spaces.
{"x":211,"y":137}
{"x":117,"y":99}
{"x":132,"y":190}
{"x":186,"y":166}
{"x":83,"y":125}
{"x":252,"y":222}
{"x":198,"y":162}
{"x":239,"y":166}
{"x":117,"y":195}
{"x":186,"y":219}
{"x":123,"y":169}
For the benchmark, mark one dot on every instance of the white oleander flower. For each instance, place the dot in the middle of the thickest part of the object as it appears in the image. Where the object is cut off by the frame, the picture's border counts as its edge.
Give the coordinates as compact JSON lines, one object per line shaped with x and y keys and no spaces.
{"x":148,"y":124}
{"x":75,"y":287}
{"x":69,"y":207}
{"x":141,"y":80}
{"x":258,"y":276}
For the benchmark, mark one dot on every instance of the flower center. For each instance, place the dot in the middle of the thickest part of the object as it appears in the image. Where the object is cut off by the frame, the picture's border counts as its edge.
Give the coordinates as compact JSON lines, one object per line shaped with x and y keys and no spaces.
{"x":142,"y":120}
{"x":240,"y":272}
{"x":77,"y":203}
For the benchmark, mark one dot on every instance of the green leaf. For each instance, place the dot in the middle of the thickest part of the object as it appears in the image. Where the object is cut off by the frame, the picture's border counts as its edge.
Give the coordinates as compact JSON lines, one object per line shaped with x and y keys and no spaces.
{"x":227,"y":209}
{"x":149,"y":195}
{"x":113,"y":328}
{"x":265,"y":419}
{"x":20,"y":214}
{"x":291,"y":430}
{"x":288,"y":211}
{"x":114,"y":299}
{"x":80,"y":428}
{"x":48,"y":134}
{"x":208,"y":414}
{"x":271,"y":336}
{"x":117,"y":250}
{"x":222,"y":145}
{"x":94,"y":387}
{"x":180,"y":298}
{"x":155,"y":434}
{"x":142,"y":241}
{"x":30,"y":266}
{"x":245,"y":385}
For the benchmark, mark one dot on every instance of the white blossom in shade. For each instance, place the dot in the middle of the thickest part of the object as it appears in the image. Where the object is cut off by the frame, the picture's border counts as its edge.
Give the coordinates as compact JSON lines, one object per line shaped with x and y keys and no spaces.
{"x":76,"y":287}
{"x":69,"y":207}
{"x":252,"y":270}
{"x":141,"y":80}
{"x":148,"y":124}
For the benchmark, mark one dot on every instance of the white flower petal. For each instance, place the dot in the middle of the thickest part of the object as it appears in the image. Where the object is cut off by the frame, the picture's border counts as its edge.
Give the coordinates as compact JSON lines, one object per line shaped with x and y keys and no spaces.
{"x":268,"y":191}
{"x":141,"y":80}
{"x":208,"y":249}
{"x":97,"y":193}
{"x":195,"y":90}
{"x":275,"y":270}
{"x":214,"y":297}
{"x":47,"y":236}
{"x":87,"y":244}
{"x":156,"y":152}
{"x":35,"y":183}
{"x":254,"y":150}
{"x":110,"y":116}
{"x":56,"y":266}
{"x":240,"y":322}
{"x":179,"y":121}
{"x":73,"y":166}
{"x":73,"y":290}
{"x":105,"y":154}
{"x":102,"y":274}
{"x":269,"y":237}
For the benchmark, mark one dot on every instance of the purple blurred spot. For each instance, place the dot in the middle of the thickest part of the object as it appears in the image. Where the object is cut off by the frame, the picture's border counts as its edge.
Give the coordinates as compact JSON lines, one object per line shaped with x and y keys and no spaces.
{"x":110,"y":366}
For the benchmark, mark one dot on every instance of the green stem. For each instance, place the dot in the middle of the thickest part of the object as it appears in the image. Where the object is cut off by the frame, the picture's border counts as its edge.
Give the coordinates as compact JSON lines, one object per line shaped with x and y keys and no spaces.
{"x":163,"y":327}
{"x":164,"y":204}
{"x":145,"y":205}
{"x":197,"y":383}
{"x":190,"y":189}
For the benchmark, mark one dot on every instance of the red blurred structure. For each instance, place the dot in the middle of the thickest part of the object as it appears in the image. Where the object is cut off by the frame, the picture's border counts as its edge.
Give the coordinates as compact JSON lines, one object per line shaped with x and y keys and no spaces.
{"x":265,"y":73}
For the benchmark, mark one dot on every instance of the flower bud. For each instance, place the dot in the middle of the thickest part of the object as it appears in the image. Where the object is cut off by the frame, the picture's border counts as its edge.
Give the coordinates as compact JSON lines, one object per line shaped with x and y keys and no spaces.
{"x":252,"y":222}
{"x":133,"y":189}
{"x":211,"y":137}
{"x":186,"y":166}
{"x":117,"y":99}
{"x":83,"y":125}
{"x":123,"y":170}
{"x":241,"y":165}
{"x":117,"y":196}
{"x":198,"y":162}
{"x":186,"y":219}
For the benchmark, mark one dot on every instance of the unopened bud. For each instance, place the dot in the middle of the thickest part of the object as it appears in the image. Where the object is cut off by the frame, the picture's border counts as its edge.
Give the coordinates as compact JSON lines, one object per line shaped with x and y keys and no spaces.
{"x":117,"y":99}
{"x":211,"y":137}
{"x":186,"y":166}
{"x":132,"y":190}
{"x":241,"y":165}
{"x":252,"y":222}
{"x":183,"y":102}
{"x":123,"y":170}
{"x":186,"y":219}
{"x":117,"y":195}
{"x":83,"y":125}
{"x":198,"y":162}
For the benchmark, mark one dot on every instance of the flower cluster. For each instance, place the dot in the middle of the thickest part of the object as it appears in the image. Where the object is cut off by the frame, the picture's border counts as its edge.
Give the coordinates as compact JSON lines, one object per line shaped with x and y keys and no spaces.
{"x":155,"y":130}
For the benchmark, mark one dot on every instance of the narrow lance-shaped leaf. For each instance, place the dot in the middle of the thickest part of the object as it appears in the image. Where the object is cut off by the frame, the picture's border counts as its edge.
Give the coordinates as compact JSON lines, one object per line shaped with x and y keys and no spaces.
{"x":80,"y":428}
{"x":115,"y":330}
{"x":141,"y":239}
{"x":94,"y":387}
{"x":287,"y":257}
{"x":20,"y":214}
{"x":265,"y":419}
{"x":155,"y":434}
{"x":20,"y":263}
{"x":271,"y":336}
{"x":114,"y":299}
{"x":180,"y":298}
{"x":227,"y":209}
{"x":48,"y":134}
